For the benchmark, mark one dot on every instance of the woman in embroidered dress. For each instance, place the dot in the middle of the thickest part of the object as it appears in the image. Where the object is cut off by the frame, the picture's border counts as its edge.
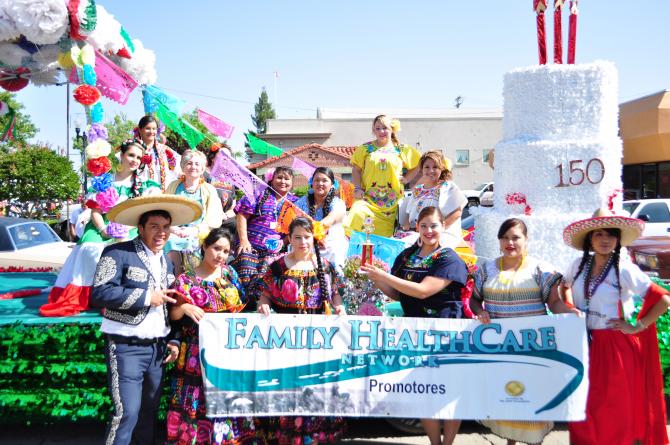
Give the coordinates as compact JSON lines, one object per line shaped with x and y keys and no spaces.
{"x":211,"y":288}
{"x":436,"y":189}
{"x":301,"y":282}
{"x":516,"y":285}
{"x":378,"y":174}
{"x":257,"y":221}
{"x":161,"y":164}
{"x":322,"y":204}
{"x":182,"y":246}
{"x":225,"y":190}
{"x":427,"y":278}
{"x":71,"y":292}
{"x":625,"y":402}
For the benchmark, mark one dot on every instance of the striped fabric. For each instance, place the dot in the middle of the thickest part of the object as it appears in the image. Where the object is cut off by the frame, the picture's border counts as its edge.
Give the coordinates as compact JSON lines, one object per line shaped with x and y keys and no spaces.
{"x":520,"y":293}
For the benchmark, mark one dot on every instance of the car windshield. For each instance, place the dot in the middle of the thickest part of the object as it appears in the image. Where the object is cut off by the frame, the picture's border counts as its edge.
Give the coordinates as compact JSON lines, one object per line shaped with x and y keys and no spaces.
{"x":630,"y":206}
{"x":481,"y":187}
{"x":32,"y":234}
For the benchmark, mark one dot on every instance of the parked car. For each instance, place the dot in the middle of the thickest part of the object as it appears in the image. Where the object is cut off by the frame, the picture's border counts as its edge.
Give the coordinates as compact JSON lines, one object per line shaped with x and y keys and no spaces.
{"x":474,"y":195}
{"x":486,"y":199}
{"x":652,"y":255}
{"x":31,"y":243}
{"x":655,"y":212}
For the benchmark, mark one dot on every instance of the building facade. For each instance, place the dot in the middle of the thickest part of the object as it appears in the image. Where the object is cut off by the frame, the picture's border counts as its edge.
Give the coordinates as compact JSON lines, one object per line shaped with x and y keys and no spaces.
{"x":645,"y":130}
{"x":464,"y":136}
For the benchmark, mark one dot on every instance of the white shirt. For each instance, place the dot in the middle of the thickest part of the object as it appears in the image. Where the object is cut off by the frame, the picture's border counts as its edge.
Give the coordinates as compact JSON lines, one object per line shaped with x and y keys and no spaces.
{"x":153,"y":325}
{"x":604,"y":304}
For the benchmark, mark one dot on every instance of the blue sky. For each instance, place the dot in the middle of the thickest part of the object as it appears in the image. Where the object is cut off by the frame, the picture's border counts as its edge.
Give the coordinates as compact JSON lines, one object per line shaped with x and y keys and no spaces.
{"x":217,"y":55}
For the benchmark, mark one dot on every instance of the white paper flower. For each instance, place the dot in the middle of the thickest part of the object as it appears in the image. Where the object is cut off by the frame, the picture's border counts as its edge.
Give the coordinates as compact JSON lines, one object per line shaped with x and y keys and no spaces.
{"x":12,"y":55}
{"x":41,"y":21}
{"x":88,"y":55}
{"x":106,"y":37}
{"x":47,"y":77}
{"x":47,"y":54}
{"x":142,"y":66}
{"x":8,"y":29}
{"x":97,"y":149}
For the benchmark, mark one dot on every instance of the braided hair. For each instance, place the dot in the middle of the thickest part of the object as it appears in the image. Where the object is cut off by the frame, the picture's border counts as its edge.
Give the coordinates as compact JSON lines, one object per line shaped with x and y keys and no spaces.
{"x":258,"y":211}
{"x":327,"y":204}
{"x":136,"y":187}
{"x":306,"y":224}
{"x":588,"y":247}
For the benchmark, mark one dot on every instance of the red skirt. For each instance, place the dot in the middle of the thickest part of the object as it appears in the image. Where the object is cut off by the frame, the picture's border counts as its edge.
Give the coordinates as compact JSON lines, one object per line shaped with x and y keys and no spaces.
{"x":615,"y":408}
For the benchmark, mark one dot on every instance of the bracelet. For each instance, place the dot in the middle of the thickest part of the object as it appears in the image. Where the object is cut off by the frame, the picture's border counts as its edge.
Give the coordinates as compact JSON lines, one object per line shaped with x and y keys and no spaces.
{"x":641,"y":323}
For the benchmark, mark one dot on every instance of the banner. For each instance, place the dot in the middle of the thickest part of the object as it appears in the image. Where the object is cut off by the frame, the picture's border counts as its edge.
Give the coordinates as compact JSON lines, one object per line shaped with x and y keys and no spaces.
{"x":215,"y":125}
{"x":226,"y":169}
{"x":261,"y":147}
{"x":191,"y":135}
{"x":527,"y":368}
{"x":304,"y":168}
{"x":112,"y":81}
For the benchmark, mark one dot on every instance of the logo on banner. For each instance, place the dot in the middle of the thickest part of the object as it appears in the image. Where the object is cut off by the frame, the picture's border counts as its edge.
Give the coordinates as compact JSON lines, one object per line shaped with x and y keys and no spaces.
{"x":514,"y":388}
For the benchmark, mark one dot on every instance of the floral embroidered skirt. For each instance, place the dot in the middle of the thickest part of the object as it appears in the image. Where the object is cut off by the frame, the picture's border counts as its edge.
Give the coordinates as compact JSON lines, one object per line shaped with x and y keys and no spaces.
{"x":302,"y":430}
{"x":187,"y":422}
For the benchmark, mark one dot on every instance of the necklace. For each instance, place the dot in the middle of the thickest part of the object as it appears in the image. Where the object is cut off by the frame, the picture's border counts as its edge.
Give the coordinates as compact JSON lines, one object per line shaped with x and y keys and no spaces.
{"x":506,"y":276}
{"x":592,"y":283}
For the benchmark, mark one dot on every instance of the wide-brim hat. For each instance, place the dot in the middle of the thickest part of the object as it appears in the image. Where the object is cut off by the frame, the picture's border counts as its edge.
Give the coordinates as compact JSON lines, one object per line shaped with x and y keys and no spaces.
{"x":575,"y":234}
{"x":182,"y":210}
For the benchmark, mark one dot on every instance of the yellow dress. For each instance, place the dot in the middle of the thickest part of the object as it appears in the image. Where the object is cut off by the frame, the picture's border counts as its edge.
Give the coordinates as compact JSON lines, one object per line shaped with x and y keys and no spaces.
{"x":381,"y":170}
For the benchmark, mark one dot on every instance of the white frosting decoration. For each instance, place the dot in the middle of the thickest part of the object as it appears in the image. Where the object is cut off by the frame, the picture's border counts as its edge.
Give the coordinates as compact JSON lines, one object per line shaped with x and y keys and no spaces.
{"x":561,"y":102}
{"x":554,"y":114}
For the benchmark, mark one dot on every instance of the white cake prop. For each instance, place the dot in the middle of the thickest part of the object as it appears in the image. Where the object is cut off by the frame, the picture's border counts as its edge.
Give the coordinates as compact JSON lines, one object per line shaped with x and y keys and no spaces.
{"x":560,"y":157}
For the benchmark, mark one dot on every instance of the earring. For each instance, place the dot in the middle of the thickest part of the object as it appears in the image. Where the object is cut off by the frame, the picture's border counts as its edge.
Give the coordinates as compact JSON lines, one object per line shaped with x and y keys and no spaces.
{"x":419,"y":242}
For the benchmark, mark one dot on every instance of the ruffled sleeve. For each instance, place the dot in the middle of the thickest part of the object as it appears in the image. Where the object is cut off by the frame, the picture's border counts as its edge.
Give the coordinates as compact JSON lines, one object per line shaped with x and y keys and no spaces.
{"x":410,"y":156}
{"x":245,"y":207}
{"x":451,"y":198}
{"x":480,"y":278}
{"x":546,"y":277}
{"x":632,"y":279}
{"x":449,"y":266}
{"x":358,"y":158}
{"x":235,"y":281}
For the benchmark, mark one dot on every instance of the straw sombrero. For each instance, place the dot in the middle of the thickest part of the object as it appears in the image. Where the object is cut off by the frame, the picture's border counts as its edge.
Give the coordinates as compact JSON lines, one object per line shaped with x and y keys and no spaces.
{"x":182,"y":210}
{"x":575,"y":233}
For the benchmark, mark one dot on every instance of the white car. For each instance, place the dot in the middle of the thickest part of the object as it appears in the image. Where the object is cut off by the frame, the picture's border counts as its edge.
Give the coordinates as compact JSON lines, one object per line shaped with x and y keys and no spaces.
{"x":31,"y":243}
{"x":655,"y":213}
{"x":475,"y":195}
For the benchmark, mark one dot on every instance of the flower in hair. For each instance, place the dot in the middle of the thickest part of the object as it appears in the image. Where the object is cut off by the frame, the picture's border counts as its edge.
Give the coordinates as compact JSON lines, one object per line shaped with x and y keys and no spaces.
{"x":395,"y":126}
{"x":269,"y":175}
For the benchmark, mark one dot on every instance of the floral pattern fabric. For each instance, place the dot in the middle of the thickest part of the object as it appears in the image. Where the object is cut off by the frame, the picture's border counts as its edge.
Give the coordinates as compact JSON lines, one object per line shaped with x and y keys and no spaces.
{"x":187,"y":422}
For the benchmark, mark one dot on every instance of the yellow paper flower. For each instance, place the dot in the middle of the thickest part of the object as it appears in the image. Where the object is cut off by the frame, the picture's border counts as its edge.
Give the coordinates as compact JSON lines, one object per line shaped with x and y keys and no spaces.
{"x":88,"y":55}
{"x":98,"y":149}
{"x":75,"y":55}
{"x":65,"y":60}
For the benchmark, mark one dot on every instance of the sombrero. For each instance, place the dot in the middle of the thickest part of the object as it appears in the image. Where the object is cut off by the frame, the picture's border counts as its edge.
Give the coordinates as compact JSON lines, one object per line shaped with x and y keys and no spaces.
{"x":182,"y":210}
{"x":575,"y":233}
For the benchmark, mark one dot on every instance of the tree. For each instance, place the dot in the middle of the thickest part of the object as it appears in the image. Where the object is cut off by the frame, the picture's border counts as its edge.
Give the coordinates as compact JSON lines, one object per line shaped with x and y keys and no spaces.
{"x":262,"y":112}
{"x":32,"y":175}
{"x":25,"y":129}
{"x":178,"y":143}
{"x":120,"y":129}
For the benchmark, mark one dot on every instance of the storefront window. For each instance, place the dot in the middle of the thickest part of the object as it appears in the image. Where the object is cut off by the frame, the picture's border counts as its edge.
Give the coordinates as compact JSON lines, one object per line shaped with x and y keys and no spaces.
{"x":649,"y":189}
{"x":664,"y":180}
{"x":632,"y":181}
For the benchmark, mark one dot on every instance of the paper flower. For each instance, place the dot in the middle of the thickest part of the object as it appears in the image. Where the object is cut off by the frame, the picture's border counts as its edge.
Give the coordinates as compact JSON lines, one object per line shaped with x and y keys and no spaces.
{"x":97,"y":113}
{"x":117,"y":231}
{"x":89,"y":75}
{"x":142,"y":66}
{"x":42,"y":22}
{"x":12,"y":55}
{"x":88,"y":55}
{"x":46,"y":78}
{"x":107,"y":199}
{"x":97,"y":131}
{"x":102,"y":183}
{"x":98,"y":148}
{"x":106,"y":36}
{"x":86,"y":94}
{"x":98,"y":166}
{"x":8,"y":29}
{"x":14,"y":80}
{"x":369,"y":309}
{"x":273,"y":244}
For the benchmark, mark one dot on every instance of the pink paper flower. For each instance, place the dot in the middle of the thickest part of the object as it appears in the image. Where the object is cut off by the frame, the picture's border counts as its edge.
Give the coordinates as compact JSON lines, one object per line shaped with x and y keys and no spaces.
{"x":198,"y":295}
{"x":107,"y":199}
{"x":369,"y":309}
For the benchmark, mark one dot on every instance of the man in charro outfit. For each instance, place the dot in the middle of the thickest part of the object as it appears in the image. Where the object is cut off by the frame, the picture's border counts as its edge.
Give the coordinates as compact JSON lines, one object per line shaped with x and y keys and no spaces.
{"x":131,"y":286}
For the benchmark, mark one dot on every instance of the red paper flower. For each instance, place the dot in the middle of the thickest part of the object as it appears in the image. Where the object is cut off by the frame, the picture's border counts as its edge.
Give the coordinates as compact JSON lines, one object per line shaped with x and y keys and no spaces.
{"x":16,"y":83}
{"x":98,"y":166}
{"x":86,"y":95}
{"x":123,"y":52}
{"x":145,"y":160}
